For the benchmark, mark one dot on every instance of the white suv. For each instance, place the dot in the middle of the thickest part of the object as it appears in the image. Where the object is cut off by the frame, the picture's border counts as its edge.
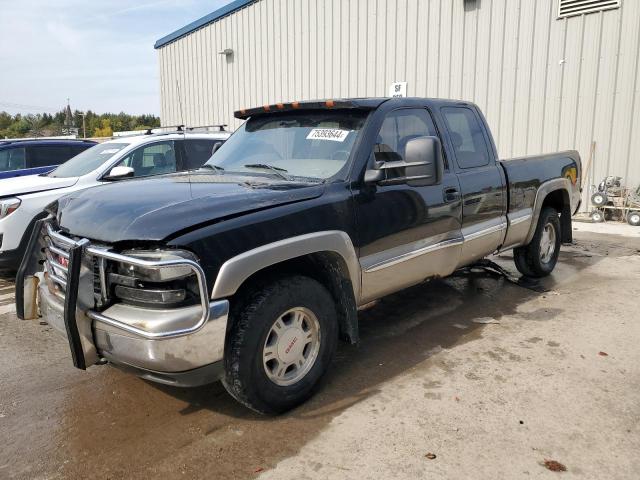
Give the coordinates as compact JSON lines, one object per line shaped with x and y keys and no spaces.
{"x":23,"y":199}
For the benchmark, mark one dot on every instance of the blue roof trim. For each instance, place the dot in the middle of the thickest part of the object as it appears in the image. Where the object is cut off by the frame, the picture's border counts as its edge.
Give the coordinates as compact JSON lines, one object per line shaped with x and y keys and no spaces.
{"x":201,"y":22}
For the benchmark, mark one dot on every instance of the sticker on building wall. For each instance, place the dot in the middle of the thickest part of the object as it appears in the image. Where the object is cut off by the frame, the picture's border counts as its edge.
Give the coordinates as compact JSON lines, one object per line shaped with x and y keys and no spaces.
{"x":333,"y":134}
{"x":398,"y":89}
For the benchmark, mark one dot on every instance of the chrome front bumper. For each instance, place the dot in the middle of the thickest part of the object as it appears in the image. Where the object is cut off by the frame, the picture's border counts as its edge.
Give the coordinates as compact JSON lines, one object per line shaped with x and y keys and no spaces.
{"x":158,"y":344}
{"x":164,"y":355}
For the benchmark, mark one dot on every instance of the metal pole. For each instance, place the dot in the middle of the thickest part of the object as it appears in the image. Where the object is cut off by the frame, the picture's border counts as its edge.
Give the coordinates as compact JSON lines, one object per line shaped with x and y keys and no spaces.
{"x":84,"y":126}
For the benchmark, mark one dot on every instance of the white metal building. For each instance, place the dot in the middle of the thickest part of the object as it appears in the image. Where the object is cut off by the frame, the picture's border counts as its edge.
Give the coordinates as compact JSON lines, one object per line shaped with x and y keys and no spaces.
{"x":549,"y":74}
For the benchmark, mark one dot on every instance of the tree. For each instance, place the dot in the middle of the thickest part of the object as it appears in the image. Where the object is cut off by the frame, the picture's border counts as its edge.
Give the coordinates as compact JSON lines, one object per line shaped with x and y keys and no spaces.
{"x":37,"y":124}
{"x":98,"y":125}
{"x":104,"y":130}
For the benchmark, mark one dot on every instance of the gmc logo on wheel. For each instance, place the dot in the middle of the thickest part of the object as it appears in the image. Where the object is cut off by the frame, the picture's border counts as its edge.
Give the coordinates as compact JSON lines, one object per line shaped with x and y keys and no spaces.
{"x":293,"y":342}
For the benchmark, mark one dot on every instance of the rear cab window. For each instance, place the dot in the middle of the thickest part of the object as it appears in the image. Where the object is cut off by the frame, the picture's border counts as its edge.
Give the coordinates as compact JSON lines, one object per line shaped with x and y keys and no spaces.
{"x":467,"y":137}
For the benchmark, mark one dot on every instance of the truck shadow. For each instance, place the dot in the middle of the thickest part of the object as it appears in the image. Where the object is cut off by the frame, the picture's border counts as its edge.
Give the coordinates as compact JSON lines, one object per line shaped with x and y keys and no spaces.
{"x":399,"y":332}
{"x":214,"y":433}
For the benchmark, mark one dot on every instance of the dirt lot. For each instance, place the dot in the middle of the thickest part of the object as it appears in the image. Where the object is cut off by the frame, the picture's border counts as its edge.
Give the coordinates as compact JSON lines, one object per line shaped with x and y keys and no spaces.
{"x":490,"y":377}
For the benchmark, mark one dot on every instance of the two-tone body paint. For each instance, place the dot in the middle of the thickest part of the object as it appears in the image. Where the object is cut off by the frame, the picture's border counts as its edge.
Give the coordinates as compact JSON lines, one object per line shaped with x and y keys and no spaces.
{"x":400,"y":234}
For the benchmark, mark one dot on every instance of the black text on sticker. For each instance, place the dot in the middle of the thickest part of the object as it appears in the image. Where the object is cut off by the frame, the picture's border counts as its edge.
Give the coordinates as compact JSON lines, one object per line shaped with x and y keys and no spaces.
{"x":333,"y":134}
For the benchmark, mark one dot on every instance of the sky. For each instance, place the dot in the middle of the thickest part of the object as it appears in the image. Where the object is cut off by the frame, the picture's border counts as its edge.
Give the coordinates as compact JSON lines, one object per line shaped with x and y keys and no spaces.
{"x":98,"y":54}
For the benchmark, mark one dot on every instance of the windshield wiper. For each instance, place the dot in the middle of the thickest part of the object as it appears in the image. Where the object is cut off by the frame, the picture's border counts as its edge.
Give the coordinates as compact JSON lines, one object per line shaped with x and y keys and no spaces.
{"x":216,"y":168}
{"x":276,"y":170}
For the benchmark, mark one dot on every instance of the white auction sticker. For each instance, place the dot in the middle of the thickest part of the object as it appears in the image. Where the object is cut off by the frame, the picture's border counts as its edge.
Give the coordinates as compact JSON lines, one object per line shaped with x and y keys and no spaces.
{"x":110,"y":150}
{"x":333,"y":134}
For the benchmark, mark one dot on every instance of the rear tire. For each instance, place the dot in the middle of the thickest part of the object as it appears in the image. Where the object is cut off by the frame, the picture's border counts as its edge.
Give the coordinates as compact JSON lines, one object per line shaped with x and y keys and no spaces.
{"x":281,"y":343}
{"x":633,"y":218}
{"x":520,"y":258}
{"x":539,"y":258}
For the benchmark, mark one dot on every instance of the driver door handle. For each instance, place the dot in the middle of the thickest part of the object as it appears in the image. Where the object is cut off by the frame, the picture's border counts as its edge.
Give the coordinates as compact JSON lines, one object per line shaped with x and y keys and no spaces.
{"x":451,"y":195}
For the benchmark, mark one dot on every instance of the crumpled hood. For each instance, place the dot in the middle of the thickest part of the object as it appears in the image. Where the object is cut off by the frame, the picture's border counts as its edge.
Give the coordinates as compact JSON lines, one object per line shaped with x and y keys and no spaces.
{"x":33,"y":183}
{"x":154,"y":209}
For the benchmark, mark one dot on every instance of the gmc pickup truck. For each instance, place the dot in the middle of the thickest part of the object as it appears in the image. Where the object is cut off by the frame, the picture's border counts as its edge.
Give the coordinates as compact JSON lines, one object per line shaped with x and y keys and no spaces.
{"x":250,"y":269}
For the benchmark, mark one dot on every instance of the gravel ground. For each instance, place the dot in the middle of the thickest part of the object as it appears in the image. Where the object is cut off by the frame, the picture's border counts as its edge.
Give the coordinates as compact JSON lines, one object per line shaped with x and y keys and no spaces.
{"x":467,"y":377}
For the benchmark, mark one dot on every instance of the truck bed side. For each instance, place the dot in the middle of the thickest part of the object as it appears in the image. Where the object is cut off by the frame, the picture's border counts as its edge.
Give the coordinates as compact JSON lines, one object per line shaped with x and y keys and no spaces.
{"x":537,"y":181}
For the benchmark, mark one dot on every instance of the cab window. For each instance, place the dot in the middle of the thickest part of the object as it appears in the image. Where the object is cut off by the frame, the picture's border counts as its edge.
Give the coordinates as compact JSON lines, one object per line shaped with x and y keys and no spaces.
{"x":398,"y":128}
{"x":467,"y":137}
{"x":154,"y":159}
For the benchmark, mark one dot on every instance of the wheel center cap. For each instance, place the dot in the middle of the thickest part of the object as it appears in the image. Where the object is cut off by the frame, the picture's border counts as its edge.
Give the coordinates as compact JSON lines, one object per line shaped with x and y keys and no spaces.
{"x":290,"y":345}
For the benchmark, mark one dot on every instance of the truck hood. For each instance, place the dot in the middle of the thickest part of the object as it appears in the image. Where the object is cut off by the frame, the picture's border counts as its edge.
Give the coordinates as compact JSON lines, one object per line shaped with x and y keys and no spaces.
{"x":32,"y":184}
{"x":154,"y":209}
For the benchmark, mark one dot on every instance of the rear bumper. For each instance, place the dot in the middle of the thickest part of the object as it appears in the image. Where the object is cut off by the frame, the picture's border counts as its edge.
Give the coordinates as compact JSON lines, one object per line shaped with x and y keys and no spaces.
{"x":183,"y":360}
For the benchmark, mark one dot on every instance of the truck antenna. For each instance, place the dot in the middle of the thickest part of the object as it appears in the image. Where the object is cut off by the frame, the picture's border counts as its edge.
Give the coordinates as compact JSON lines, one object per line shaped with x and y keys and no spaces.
{"x":180,"y":104}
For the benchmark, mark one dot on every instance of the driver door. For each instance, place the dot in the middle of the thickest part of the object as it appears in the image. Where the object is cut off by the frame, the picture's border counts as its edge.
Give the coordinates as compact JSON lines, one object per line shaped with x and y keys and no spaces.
{"x":407,"y":232}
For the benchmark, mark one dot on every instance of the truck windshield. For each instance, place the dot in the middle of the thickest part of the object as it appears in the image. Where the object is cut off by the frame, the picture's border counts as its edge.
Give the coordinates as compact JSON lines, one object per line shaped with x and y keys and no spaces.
{"x":293,"y":145}
{"x":88,"y":160}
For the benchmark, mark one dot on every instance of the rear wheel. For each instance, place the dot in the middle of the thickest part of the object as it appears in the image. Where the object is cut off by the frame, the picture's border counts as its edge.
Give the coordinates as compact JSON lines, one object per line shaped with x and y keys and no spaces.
{"x":633,"y":218}
{"x":281,"y":344}
{"x":539,"y":258}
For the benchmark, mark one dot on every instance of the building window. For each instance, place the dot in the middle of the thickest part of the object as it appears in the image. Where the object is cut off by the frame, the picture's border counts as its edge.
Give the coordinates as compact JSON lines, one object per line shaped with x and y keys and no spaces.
{"x":569,"y":8}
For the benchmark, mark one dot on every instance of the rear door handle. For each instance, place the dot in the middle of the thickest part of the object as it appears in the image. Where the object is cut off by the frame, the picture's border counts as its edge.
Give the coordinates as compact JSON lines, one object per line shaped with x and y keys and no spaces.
{"x":451,"y":195}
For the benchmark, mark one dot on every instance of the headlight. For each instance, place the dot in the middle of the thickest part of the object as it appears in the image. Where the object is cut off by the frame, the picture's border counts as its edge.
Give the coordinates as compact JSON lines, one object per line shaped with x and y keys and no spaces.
{"x":155,"y":287}
{"x":8,"y":206}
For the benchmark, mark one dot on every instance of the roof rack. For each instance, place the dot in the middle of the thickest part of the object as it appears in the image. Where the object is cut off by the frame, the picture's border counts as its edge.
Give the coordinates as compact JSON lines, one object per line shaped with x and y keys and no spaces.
{"x":168,"y":130}
{"x":219,"y":126}
{"x":178,"y":128}
{"x":31,"y":139}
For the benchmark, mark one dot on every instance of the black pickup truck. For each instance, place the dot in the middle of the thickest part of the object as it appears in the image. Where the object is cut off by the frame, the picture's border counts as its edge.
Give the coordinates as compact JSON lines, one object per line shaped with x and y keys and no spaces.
{"x":250,"y":269}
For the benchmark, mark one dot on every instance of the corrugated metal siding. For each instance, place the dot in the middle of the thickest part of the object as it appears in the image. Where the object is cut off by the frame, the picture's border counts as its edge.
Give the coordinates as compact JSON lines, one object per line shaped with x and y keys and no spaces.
{"x":544,"y":83}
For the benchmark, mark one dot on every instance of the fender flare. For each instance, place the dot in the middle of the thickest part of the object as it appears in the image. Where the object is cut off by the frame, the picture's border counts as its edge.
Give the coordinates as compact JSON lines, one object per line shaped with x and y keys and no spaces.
{"x":544,"y":190}
{"x":235,"y":271}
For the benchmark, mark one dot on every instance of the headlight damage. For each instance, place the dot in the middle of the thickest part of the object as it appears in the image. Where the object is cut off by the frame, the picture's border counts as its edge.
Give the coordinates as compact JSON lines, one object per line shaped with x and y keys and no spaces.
{"x":168,"y":286}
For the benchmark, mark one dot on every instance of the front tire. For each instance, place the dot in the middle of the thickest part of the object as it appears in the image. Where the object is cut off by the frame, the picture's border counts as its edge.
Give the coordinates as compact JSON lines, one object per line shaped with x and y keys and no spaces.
{"x":633,"y":218}
{"x":281,"y":344}
{"x":539,"y":258}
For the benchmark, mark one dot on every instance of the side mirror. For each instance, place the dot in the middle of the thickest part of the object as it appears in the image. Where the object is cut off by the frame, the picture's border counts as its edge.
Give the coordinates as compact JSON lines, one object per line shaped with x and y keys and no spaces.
{"x":422,"y":165}
{"x":118,"y":173}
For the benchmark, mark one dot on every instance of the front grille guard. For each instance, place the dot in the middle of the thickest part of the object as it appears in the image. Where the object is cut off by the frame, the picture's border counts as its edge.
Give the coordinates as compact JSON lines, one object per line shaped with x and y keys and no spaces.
{"x":68,"y":278}
{"x":103,"y":253}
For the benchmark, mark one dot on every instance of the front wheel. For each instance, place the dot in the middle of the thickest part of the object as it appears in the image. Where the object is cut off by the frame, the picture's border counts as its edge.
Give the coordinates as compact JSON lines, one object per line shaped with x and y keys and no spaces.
{"x":282,"y":342}
{"x":539,"y":258}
